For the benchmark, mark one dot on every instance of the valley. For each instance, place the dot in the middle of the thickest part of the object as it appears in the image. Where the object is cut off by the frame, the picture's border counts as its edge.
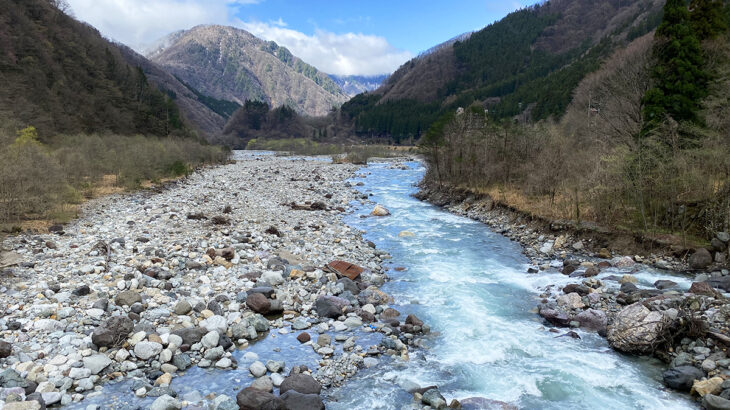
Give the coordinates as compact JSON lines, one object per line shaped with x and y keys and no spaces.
{"x":531,"y":213}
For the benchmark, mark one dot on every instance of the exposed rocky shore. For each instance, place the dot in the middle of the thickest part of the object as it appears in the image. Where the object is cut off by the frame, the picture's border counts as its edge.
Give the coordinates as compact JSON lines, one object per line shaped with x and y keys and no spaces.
{"x":689,"y":329}
{"x":144,"y":286}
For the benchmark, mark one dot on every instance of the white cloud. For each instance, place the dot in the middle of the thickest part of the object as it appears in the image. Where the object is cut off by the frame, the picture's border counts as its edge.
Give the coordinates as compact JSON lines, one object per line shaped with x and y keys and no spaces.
{"x":342,"y":54}
{"x":139,"y":23}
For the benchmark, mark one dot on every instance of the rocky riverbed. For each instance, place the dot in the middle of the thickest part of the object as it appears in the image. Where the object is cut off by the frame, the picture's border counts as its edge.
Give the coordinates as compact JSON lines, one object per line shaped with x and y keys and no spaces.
{"x":146,"y":286}
{"x":683,"y":319}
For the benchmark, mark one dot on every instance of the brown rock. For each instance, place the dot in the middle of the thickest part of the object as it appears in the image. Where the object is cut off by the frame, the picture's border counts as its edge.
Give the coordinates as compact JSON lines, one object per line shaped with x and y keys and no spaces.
{"x":592,"y":271}
{"x":346,"y":269}
{"x":701,"y":259}
{"x":389,"y":313}
{"x":304,"y":337}
{"x":127,"y":298}
{"x":709,"y":386}
{"x":227,"y":253}
{"x":154,"y":338}
{"x":702,"y":288}
{"x":413,"y":320}
{"x":258,"y":303}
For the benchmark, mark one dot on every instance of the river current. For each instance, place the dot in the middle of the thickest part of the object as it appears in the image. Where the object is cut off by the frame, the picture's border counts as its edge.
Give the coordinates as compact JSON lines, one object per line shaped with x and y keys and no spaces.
{"x":470,"y":285}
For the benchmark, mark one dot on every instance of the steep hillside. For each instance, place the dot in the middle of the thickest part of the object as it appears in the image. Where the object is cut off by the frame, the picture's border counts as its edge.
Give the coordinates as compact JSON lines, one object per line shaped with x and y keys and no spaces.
{"x":61,"y":76}
{"x":206,"y":114}
{"x":231,"y":64}
{"x":530,"y":61}
{"x":356,"y":84}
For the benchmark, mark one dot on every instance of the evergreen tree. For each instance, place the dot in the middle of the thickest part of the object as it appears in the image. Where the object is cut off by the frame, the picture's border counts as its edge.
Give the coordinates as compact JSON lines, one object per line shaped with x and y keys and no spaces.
{"x":680,"y":82}
{"x":708,"y":19}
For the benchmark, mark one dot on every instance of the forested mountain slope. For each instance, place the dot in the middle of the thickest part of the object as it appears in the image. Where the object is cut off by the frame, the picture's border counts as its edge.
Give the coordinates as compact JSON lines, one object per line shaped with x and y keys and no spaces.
{"x":206,"y":114}
{"x":61,"y":76}
{"x":529,"y":62}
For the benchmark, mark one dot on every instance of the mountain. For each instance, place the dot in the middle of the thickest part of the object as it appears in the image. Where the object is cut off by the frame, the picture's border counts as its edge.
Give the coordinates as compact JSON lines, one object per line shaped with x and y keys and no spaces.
{"x":205,"y":114}
{"x":356,"y":84}
{"x":230,"y":64}
{"x":527,"y":63}
{"x":62,"y":76}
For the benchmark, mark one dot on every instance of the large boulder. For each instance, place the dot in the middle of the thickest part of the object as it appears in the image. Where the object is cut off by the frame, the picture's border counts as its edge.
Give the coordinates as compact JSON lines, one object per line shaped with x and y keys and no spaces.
{"x":330,"y":306}
{"x":258,"y":303}
{"x":682,"y":378}
{"x":636,"y":329}
{"x":592,"y":319}
{"x":302,"y":383}
{"x":701,"y":259}
{"x":112,"y":332}
{"x":702,"y":288}
{"x":555,"y":317}
{"x":254,"y":399}
{"x":571,"y":301}
{"x":300,"y":401}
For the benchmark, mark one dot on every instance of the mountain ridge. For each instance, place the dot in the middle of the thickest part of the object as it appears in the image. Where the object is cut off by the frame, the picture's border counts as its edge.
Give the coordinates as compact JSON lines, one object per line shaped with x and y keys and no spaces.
{"x":528,"y":62}
{"x":232,"y":64}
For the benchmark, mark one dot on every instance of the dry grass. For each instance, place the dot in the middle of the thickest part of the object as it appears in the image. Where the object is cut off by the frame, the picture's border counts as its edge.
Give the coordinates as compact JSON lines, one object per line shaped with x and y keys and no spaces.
{"x":66,"y":212}
{"x":44,"y":184}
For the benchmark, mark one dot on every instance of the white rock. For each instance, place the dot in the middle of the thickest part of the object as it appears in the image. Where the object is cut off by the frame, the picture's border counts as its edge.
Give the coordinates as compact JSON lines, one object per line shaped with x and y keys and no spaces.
{"x":277,"y":379}
{"x":137,"y":337}
{"x":165,"y":355}
{"x":146,"y":350}
{"x":97,"y":363}
{"x":121,"y":355}
{"x":79,"y":373}
{"x":273,"y":278}
{"x":257,"y":369}
{"x":223,"y":363}
{"x":210,"y":340}
{"x":215,"y":324}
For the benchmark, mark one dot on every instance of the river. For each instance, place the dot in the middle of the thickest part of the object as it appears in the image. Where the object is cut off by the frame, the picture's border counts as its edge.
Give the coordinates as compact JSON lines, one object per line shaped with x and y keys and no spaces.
{"x":470,"y":285}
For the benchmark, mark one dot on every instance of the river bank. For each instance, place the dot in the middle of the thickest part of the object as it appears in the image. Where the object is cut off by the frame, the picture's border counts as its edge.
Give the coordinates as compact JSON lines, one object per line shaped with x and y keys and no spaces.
{"x":684,"y":322}
{"x":201,"y":294}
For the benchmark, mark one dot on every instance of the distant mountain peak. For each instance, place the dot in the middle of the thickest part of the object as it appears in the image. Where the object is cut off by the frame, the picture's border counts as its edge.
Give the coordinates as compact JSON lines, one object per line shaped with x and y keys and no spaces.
{"x":356,"y":84}
{"x":232,"y":64}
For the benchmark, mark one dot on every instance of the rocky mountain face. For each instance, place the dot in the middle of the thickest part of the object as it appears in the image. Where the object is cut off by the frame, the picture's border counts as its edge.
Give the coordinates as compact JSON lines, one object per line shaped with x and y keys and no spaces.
{"x":356,"y":84}
{"x":231,"y":64}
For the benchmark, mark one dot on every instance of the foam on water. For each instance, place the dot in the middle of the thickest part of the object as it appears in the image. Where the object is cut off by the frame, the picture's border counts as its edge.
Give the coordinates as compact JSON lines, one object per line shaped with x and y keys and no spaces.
{"x":471,"y":287}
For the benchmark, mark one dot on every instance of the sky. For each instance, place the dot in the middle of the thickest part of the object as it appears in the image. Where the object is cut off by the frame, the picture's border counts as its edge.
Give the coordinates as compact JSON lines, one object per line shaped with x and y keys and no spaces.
{"x":343,"y":37}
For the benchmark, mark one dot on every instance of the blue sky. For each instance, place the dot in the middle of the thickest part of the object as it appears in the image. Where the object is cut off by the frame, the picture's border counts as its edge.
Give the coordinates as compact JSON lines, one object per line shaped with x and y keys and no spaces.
{"x":345,"y":37}
{"x":411,"y":25}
